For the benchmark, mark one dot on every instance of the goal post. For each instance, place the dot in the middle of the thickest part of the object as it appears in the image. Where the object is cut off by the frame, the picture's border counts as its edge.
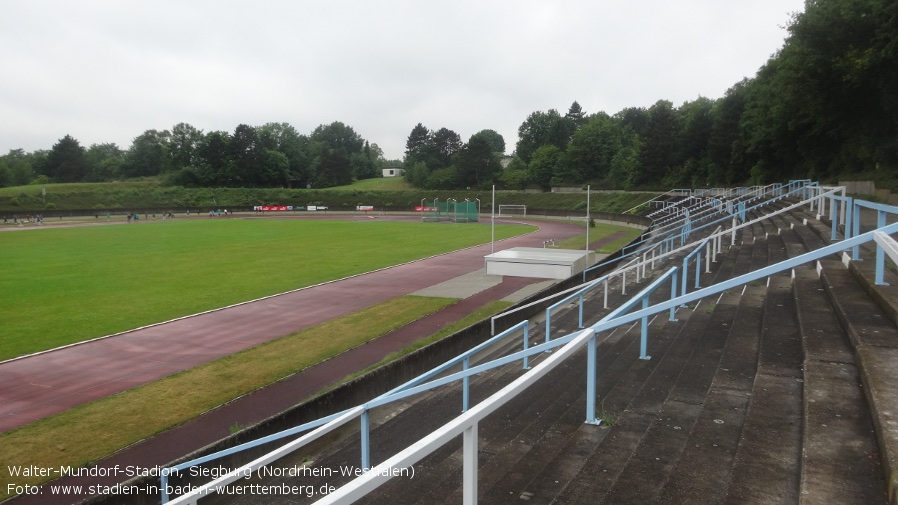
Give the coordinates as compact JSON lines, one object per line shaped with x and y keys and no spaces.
{"x":512,"y":210}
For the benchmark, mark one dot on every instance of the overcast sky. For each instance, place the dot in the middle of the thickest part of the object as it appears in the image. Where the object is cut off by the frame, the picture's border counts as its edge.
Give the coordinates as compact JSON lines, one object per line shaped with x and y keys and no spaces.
{"x":106,"y":71}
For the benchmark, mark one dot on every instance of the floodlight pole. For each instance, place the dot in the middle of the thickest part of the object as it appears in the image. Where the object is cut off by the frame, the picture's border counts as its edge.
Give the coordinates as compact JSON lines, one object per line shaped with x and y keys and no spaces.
{"x":587,"y":217}
{"x":493,"y":222}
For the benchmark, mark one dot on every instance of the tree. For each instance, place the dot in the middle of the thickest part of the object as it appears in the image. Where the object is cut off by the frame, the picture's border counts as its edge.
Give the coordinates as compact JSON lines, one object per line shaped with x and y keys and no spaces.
{"x":494,"y":139}
{"x":148,"y":155}
{"x":365,"y":165}
{"x":274,"y":169}
{"x":442,"y":145}
{"x":214,"y":158}
{"x":334,"y":168}
{"x":284,"y":138}
{"x":417,"y":173}
{"x":184,"y":145}
{"x":66,"y":161}
{"x":724,"y":167}
{"x":544,"y":164}
{"x":476,"y":164}
{"x":634,"y":118}
{"x":822,"y":105}
{"x":593,"y":147}
{"x":338,"y":135}
{"x":516,"y":175}
{"x":20,"y":167}
{"x":105,"y":161}
{"x":416,"y":144}
{"x":246,"y":158}
{"x":576,"y":116}
{"x":658,"y":143}
{"x":625,"y":164}
{"x":539,"y":129}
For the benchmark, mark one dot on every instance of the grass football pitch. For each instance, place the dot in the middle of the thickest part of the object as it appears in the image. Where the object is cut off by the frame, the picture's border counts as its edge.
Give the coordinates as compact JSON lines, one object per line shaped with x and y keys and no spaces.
{"x":65,"y":285}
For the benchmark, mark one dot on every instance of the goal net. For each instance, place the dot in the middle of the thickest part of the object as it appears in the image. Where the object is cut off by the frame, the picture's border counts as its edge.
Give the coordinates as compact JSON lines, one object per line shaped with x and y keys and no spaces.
{"x":512,"y":210}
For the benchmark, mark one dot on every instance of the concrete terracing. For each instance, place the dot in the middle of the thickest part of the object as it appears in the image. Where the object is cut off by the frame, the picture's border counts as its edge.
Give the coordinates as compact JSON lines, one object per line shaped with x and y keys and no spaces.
{"x":781,"y":392}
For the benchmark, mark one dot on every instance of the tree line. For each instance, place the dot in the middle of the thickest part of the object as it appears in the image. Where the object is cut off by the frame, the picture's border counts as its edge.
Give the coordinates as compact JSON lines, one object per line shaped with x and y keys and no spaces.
{"x":824,"y":106}
{"x":272,"y":155}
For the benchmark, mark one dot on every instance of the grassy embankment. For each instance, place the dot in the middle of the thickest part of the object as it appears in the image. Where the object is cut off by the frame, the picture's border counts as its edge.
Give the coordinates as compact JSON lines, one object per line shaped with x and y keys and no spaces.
{"x":384,"y":194}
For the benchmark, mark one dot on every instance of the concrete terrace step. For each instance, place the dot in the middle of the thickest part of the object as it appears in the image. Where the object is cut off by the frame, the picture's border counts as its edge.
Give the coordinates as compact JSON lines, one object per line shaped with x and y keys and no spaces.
{"x":767,"y":461}
{"x":666,"y":437}
{"x":840,"y":461}
{"x":702,"y":472}
{"x":637,"y":423}
{"x":875,"y":341}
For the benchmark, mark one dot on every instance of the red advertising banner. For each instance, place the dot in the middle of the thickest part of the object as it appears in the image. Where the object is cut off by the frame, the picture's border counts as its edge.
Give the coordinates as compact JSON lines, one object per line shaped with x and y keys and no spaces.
{"x":272,"y":208}
{"x":419,"y":208}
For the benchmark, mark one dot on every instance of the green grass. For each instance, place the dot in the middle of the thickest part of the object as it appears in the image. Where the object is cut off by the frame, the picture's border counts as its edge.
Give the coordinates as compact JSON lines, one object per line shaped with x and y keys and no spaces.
{"x":377,"y":184}
{"x":61,"y":286}
{"x":601,"y":230}
{"x":70,"y":438}
{"x":80,"y":187}
{"x":478,"y":315}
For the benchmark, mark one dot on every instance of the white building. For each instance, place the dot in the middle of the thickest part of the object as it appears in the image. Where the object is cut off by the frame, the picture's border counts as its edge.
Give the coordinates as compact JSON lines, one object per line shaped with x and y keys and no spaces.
{"x":393,"y":172}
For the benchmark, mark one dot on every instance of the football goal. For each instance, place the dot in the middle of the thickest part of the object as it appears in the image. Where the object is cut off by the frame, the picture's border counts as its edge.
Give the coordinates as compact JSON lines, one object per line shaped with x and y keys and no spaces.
{"x":512,"y":210}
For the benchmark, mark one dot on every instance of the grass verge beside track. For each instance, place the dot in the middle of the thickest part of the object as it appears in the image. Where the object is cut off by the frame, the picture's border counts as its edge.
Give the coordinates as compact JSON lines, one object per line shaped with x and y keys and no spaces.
{"x":70,"y":438}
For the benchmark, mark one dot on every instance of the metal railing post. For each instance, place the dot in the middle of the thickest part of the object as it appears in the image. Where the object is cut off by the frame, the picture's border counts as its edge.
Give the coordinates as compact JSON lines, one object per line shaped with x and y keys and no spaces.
{"x":526,"y":345}
{"x":365,"y":434}
{"x":855,"y":253}
{"x":581,"y":311}
{"x":591,"y":364}
{"x":465,"y":384}
{"x":469,"y":491}
{"x":673,"y":294}
{"x":880,"y":252}
{"x":698,"y":268}
{"x":644,"y":337}
{"x":685,"y":275}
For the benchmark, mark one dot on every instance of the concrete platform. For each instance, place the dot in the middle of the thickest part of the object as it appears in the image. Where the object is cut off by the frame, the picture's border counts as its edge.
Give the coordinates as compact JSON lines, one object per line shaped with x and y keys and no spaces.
{"x":470,"y":284}
{"x":537,"y":262}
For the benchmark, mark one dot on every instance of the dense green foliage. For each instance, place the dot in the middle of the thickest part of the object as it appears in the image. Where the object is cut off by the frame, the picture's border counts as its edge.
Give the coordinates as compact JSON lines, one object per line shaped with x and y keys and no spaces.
{"x":272,"y":155}
{"x":69,"y":284}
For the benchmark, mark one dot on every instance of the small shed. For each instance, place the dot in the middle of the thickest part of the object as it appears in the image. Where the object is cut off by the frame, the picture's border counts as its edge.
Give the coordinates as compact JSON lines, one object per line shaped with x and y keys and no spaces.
{"x":393,"y":172}
{"x":541,"y":263}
